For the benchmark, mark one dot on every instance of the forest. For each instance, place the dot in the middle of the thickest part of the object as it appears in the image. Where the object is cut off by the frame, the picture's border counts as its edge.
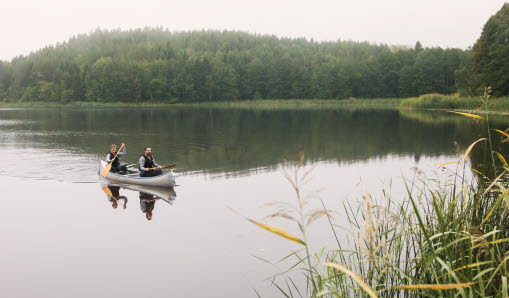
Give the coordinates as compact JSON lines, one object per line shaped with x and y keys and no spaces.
{"x":157,"y":65}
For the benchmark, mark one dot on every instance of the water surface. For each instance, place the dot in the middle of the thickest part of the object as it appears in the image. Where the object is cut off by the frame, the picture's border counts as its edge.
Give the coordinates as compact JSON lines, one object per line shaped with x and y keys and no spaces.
{"x":62,"y":237}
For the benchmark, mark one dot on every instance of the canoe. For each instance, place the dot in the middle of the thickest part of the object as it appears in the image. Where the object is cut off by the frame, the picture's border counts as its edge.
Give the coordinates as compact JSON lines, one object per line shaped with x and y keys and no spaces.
{"x":167,"y":194}
{"x":165,"y":180}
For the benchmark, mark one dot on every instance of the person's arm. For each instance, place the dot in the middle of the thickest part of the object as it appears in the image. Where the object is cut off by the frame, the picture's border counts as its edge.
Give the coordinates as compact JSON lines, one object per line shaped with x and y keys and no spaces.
{"x":123,"y":152}
{"x":142,"y":163}
{"x":108,"y":160}
{"x":155,"y":164}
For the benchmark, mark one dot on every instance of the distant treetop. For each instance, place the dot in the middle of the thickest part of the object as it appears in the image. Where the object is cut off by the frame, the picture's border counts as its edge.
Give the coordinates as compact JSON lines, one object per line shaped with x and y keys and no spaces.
{"x":154,"y":64}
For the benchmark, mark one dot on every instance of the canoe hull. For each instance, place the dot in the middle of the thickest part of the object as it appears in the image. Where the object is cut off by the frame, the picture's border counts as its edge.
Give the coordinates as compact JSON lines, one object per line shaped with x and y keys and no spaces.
{"x":165,"y":180}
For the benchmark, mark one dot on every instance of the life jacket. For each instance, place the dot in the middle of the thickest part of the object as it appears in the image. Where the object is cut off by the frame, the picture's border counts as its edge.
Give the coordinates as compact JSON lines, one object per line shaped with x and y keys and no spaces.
{"x":149,"y":163}
{"x":115,"y":162}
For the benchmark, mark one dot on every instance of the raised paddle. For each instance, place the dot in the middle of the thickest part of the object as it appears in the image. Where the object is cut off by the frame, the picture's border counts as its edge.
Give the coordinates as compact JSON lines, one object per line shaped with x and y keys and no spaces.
{"x":108,"y":166}
{"x":168,"y":166}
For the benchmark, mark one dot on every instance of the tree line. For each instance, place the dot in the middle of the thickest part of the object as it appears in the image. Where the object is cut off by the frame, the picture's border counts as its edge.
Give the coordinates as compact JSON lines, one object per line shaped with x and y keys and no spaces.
{"x":153,"y":64}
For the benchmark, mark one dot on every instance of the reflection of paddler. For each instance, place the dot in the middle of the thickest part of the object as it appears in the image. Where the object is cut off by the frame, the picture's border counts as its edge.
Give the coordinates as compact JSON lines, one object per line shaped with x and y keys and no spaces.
{"x":147,"y":203}
{"x":113,"y":193}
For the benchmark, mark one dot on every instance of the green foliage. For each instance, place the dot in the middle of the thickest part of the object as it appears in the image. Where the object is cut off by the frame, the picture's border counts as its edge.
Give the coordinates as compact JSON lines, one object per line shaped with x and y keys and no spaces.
{"x":454,"y":101}
{"x":435,"y":100}
{"x":42,"y":91}
{"x":157,"y":65}
{"x":466,"y":82}
{"x":491,"y":53}
{"x":5,"y":78}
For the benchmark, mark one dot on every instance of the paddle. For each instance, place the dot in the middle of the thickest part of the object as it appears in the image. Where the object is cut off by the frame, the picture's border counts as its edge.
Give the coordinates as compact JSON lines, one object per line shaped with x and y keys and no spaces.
{"x":168,"y":166}
{"x":108,"y":166}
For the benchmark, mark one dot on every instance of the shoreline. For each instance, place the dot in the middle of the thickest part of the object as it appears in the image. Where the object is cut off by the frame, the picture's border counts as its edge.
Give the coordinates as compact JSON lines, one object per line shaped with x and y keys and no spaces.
{"x":271,"y":103}
{"x":497,"y":107}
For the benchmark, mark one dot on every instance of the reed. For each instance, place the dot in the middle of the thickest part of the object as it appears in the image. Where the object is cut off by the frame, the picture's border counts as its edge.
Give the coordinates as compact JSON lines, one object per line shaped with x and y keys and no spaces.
{"x":447,"y":237}
{"x":282,"y":104}
{"x":427,"y":101}
{"x":80,"y":104}
{"x":453,"y":102}
{"x":265,"y":104}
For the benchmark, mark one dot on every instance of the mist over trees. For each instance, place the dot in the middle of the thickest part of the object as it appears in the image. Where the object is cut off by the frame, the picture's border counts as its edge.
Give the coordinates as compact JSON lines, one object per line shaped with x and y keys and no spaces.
{"x":153,"y":64}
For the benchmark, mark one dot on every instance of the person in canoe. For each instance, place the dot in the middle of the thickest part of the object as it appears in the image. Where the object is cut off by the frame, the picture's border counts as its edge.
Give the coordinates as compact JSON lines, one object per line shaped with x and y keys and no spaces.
{"x":148,"y":166}
{"x":116,"y":167}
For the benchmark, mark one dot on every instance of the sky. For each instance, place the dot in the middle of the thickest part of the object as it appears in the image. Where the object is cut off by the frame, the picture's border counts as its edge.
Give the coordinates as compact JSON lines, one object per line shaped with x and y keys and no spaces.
{"x":28,"y":25}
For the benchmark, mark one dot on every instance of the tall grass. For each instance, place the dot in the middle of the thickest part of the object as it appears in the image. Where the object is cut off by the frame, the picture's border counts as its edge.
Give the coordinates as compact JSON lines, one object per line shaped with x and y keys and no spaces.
{"x":80,"y":104}
{"x":426,"y":101}
{"x":447,"y":237}
{"x":453,"y":102}
{"x":270,"y":104}
{"x":281,"y":104}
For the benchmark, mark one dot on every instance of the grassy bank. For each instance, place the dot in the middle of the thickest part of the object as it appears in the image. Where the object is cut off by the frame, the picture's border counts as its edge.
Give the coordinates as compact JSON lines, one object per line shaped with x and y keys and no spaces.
{"x":80,"y":104}
{"x":447,"y":237}
{"x":454,"y":102}
{"x":251,"y":104}
{"x":304,"y":104}
{"x":427,"y":101}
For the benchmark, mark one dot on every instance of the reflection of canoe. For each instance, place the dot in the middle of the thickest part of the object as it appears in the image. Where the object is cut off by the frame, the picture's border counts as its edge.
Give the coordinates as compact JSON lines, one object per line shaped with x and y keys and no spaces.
{"x":165,"y":180}
{"x":168,"y":194}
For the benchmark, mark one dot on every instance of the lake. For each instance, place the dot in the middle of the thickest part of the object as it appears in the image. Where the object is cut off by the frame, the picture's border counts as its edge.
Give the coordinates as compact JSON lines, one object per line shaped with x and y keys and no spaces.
{"x":62,"y":237}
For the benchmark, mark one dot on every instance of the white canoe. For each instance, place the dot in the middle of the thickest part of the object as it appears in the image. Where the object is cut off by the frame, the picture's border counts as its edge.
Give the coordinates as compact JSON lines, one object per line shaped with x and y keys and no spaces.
{"x":165,"y":180}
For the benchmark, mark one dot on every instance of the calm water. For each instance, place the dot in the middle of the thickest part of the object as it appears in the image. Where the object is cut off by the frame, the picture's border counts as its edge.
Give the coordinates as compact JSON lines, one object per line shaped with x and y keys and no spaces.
{"x":61,"y":236}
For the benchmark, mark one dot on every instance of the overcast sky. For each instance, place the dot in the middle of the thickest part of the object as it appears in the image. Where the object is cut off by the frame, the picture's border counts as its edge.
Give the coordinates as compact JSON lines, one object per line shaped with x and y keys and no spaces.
{"x":27,"y":25}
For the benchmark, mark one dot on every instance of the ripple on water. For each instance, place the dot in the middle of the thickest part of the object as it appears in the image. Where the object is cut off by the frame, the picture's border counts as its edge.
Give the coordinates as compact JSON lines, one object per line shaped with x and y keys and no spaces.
{"x":47,"y":164}
{"x":13,"y":122}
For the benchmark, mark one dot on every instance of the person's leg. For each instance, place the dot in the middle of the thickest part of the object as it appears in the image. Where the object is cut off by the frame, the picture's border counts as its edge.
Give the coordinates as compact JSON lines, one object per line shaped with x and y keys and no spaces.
{"x":153,"y":173}
{"x":123,"y":169}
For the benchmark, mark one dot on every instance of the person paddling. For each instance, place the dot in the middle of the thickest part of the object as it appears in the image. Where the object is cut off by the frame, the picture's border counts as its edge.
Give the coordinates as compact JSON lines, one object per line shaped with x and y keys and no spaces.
{"x":116,"y":166}
{"x":147,"y":165}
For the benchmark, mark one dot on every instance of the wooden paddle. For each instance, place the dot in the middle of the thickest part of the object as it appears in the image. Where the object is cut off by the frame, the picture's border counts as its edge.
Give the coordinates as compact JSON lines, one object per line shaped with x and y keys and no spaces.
{"x":168,"y":166}
{"x":108,"y":166}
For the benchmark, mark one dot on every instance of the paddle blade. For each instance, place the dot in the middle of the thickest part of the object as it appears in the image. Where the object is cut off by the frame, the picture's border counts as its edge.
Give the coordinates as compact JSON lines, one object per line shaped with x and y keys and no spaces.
{"x":107,"y":191}
{"x":169,"y":166}
{"x":106,"y":170}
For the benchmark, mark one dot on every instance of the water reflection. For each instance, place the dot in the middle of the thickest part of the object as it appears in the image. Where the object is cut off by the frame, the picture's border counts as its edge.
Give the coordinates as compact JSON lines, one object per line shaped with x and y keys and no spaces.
{"x":66,"y":145}
{"x":230,"y":142}
{"x":148,"y":196}
{"x":113,"y":194}
{"x":147,"y":204}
